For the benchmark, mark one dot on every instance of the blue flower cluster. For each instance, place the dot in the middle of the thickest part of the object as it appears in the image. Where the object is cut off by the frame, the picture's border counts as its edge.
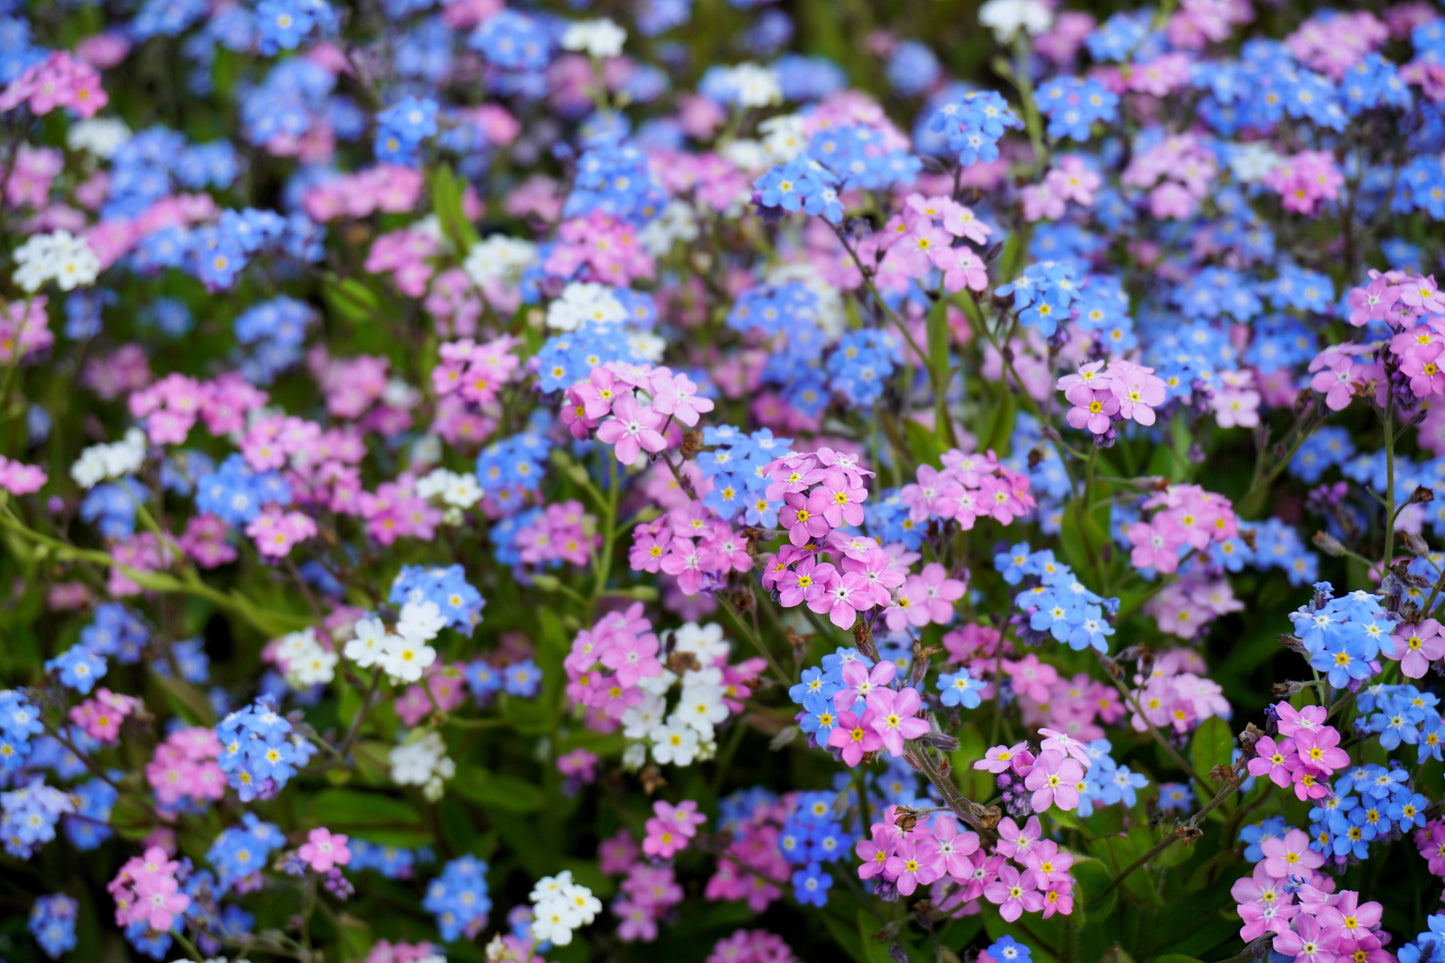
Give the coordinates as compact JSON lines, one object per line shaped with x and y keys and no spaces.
{"x":52,"y":923}
{"x":1042,"y":295}
{"x":1342,"y":636}
{"x":393,"y":862}
{"x":816,"y":690}
{"x":236,"y":493}
{"x":614,"y":178}
{"x":1402,"y":715}
{"x":1370,"y":802}
{"x":1058,"y":605}
{"x":1106,"y":782}
{"x":77,"y":668}
{"x":402,"y":127}
{"x":95,"y":798}
{"x":801,"y":184}
{"x":810,"y":837}
{"x":446,"y":587}
{"x":242,"y":850}
{"x":974,"y":124}
{"x":861,"y":365}
{"x":260,"y":751}
{"x":774,"y":308}
{"x":115,"y":631}
{"x":111,"y":507}
{"x":1073,"y":104}
{"x":30,"y":814}
{"x":283,"y":24}
{"x":458,"y":898}
{"x":273,"y":333}
{"x":19,"y":720}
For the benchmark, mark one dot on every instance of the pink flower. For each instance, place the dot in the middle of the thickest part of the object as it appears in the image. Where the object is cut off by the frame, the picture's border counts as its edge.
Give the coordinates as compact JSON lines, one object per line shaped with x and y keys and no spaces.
{"x":844,"y":599}
{"x":1320,"y":749}
{"x":914,"y":861}
{"x":1000,"y":758}
{"x":1054,"y":780}
{"x":1014,"y":892}
{"x":1292,"y":722}
{"x":1308,"y":942}
{"x":894,"y":716}
{"x":853,"y":738}
{"x":860,"y":682}
{"x":632,"y":429}
{"x":874,"y":852}
{"x":324,"y":849}
{"x":954,"y":847}
{"x":1416,"y":646}
{"x":1289,"y":855}
{"x":1273,"y":759}
{"x":676,"y":395}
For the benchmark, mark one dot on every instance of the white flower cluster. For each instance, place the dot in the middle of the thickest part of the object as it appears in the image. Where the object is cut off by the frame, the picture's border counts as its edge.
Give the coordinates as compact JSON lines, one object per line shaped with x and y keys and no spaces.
{"x":113,"y":460}
{"x":306,"y":661}
{"x":422,"y":761}
{"x":596,"y":38}
{"x":1007,"y":17}
{"x":752,"y":85}
{"x":561,"y":905}
{"x":688,"y":732}
{"x":403,"y":653}
{"x":60,"y":257}
{"x":677,"y":222}
{"x":101,"y":136}
{"x":499,"y":258}
{"x":584,"y":303}
{"x":453,"y":491}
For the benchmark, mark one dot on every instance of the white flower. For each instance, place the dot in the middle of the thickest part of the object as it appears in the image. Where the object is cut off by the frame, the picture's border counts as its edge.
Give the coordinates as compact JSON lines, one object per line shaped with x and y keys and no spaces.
{"x":370,"y":642}
{"x":746,"y":155}
{"x":399,"y":394}
{"x":404,"y":659}
{"x":550,"y":887}
{"x":705,"y":642}
{"x":658,"y":684}
{"x":634,"y":757}
{"x":584,"y":303}
{"x":752,"y":85}
{"x":1252,"y":161}
{"x":60,"y":257}
{"x":702,"y":708}
{"x":646,"y":345}
{"x":101,"y":136}
{"x":596,"y":38}
{"x":422,"y":762}
{"x":647,"y":715}
{"x":583,"y":903}
{"x":114,"y":460}
{"x":499,"y":258}
{"x":316,"y":667}
{"x":551,"y":922}
{"x":784,"y":137}
{"x":420,"y":621}
{"x":675,"y":743}
{"x":1007,"y":17}
{"x":677,"y":223}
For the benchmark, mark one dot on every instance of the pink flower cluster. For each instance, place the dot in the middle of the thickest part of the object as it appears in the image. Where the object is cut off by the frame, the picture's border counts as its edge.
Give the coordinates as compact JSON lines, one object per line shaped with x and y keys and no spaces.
{"x":1177,"y":172}
{"x":600,"y":248}
{"x":608,"y":661}
{"x":562,"y":532}
{"x":1050,"y":778}
{"x":1288,"y":897}
{"x":1022,"y":873}
{"x":1072,"y":179}
{"x":349,"y":385}
{"x":184,"y":769}
{"x":888,"y":718}
{"x":921,"y":237}
{"x":1102,"y":392}
{"x":970,"y":486}
{"x":404,"y":254}
{"x":1332,"y":45}
{"x":1415,"y":646}
{"x":101,"y":715}
{"x":1187,"y":518}
{"x":205,"y":540}
{"x":1305,"y":179}
{"x":386,"y":951}
{"x":1184,"y":608}
{"x":610,"y":403}
{"x":648,"y":892}
{"x":1306,"y":755}
{"x":324,"y":850}
{"x":475,"y":372}
{"x":59,"y":80}
{"x":146,"y":890}
{"x":276,"y":532}
{"x":171,"y":407}
{"x":752,"y":867}
{"x":442,"y":690}
{"x":389,"y":188}
{"x":671,"y":828}
{"x":25,"y":328}
{"x":751,"y":946}
{"x":1176,"y":695}
{"x":692,"y":545}
{"x":20,"y":479}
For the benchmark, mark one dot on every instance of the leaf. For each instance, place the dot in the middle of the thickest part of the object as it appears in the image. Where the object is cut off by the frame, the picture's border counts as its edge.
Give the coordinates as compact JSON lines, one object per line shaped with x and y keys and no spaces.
{"x":922,"y":445}
{"x":447,"y":191}
{"x":1213,"y":745}
{"x":873,"y":950}
{"x":847,"y":939}
{"x":1000,"y":425}
{"x":975,"y":783}
{"x":1083,"y":535}
{"x":1116,"y":954}
{"x":351,"y":300}
{"x":189,"y":701}
{"x":354,"y":936}
{"x":1093,"y":878}
{"x":940,"y":371}
{"x":1176,"y":958}
{"x":373,"y":816}
{"x":492,"y":791}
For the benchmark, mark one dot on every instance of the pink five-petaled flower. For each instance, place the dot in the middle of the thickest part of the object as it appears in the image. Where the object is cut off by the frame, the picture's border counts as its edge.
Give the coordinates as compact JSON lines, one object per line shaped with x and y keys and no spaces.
{"x":676,"y":395}
{"x":1067,"y":744}
{"x":1013,"y":892}
{"x":1000,"y":758}
{"x":859,"y":682}
{"x":1309,"y":942}
{"x":874,"y":852}
{"x":914,"y":861}
{"x":894,"y":716}
{"x":954,"y":846}
{"x":853,"y":738}
{"x":1321,"y":750}
{"x":1273,"y":760}
{"x":803,"y":516}
{"x":159,"y":900}
{"x":632,"y":429}
{"x":1415,"y":647}
{"x":1289,"y":855}
{"x":324,"y":849}
{"x":633,"y":658}
{"x":1293,"y":721}
{"x":1054,"y":781}
{"x":844,"y":599}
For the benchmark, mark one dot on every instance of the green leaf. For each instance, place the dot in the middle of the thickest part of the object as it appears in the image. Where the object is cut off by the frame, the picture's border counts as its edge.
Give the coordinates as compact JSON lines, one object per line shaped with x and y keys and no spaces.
{"x":874,"y":951}
{"x":940,"y":371}
{"x":975,"y":783}
{"x":847,"y":939}
{"x":373,"y":816}
{"x":922,"y":445}
{"x":492,"y":791}
{"x":351,"y":300}
{"x":1213,"y":745}
{"x":1093,"y":878}
{"x":1083,"y":535}
{"x":447,"y":191}
{"x":189,"y":701}
{"x":354,"y":936}
{"x":1000,"y":425}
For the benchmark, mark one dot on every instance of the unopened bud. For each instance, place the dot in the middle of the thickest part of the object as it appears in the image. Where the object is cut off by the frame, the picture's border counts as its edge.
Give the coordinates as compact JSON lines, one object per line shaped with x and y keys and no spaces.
{"x":1328,"y":544}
